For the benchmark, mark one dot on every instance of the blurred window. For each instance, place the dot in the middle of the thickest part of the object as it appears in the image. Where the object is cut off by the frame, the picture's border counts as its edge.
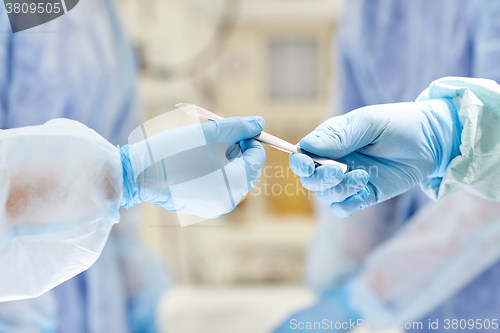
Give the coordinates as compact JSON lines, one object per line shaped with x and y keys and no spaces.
{"x":293,"y":68}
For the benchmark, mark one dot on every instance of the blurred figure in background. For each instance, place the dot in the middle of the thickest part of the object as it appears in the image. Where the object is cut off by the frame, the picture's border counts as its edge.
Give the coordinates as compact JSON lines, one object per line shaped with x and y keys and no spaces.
{"x":386,"y":262}
{"x":82,"y":68}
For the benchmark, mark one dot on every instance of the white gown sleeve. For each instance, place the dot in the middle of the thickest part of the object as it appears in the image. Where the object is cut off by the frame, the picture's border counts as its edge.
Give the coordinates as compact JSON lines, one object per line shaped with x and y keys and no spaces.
{"x":477,"y":168}
{"x":60,"y":190}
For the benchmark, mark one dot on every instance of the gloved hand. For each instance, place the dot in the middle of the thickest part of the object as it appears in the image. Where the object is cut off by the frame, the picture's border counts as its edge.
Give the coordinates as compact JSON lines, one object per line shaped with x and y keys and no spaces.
{"x":332,"y":311}
{"x":391,"y":148}
{"x":195,"y":169}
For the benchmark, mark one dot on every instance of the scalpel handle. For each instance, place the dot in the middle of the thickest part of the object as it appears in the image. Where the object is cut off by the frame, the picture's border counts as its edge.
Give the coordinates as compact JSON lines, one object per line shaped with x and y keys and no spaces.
{"x":263,"y":137}
{"x":287,"y":147}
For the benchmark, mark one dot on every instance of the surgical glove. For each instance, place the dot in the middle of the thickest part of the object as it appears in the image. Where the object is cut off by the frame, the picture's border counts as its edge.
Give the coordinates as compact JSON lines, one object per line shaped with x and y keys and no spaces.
{"x":193,"y":169}
{"x":331,"y":312}
{"x":389,"y":148}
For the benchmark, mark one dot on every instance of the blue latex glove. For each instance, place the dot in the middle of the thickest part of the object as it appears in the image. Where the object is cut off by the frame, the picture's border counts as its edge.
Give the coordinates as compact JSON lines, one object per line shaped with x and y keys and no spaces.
{"x":192,"y":171}
{"x":391,"y":148}
{"x":332,"y":311}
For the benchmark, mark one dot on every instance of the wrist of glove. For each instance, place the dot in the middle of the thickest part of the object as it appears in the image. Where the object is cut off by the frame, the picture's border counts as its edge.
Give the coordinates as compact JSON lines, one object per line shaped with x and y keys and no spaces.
{"x":131,"y":192}
{"x":445,"y":134}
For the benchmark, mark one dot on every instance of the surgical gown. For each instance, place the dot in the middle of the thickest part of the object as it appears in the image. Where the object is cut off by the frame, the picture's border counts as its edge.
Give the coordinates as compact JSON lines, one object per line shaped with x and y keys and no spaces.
{"x":390,"y":51}
{"x":81,"y":66}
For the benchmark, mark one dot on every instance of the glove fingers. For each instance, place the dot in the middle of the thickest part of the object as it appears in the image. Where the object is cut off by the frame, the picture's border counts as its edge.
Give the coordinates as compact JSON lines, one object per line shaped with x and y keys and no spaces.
{"x":302,"y":165}
{"x":372,"y":197}
{"x":350,"y":205}
{"x":322,"y":144}
{"x":352,"y":183}
{"x":233,"y":129}
{"x":253,"y":152}
{"x":340,"y":136}
{"x":323,"y":178}
{"x":254,"y":156}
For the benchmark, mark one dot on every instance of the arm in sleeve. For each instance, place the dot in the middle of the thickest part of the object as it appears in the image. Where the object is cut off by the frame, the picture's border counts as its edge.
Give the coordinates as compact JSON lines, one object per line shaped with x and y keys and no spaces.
{"x":61,"y":187}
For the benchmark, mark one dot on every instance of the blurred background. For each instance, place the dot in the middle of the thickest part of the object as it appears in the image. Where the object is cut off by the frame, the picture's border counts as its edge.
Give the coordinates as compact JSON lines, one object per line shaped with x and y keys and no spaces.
{"x":404,"y":259}
{"x":244,"y":271}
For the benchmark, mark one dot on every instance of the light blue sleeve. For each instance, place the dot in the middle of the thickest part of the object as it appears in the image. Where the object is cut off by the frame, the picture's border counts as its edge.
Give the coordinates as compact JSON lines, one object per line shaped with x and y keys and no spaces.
{"x":476,"y":168}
